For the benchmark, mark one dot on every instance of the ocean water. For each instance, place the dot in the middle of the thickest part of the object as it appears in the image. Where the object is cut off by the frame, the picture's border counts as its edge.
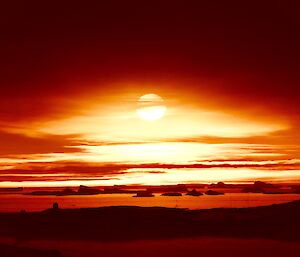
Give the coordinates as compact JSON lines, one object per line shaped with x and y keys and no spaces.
{"x":18,"y":202}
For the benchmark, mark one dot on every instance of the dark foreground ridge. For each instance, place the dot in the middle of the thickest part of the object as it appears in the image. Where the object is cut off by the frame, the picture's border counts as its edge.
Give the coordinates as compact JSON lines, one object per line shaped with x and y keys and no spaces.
{"x":280,"y":221}
{"x":13,"y":251}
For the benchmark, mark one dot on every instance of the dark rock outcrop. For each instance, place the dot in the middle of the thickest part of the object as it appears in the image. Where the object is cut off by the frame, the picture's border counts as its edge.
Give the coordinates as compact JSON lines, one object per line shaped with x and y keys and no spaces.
{"x":212,"y":192}
{"x":194,"y":192}
{"x":84,"y":190}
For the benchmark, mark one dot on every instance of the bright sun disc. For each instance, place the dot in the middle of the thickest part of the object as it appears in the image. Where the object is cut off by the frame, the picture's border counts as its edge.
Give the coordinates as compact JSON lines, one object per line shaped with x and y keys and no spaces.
{"x":151,"y":107}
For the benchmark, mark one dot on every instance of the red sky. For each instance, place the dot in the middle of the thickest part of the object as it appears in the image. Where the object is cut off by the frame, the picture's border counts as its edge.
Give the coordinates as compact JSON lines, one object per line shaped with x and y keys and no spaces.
{"x":228,"y":72}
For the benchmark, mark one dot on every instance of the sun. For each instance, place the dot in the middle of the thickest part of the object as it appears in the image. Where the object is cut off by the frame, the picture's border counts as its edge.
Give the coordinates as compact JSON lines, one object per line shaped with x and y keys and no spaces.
{"x":151,"y":107}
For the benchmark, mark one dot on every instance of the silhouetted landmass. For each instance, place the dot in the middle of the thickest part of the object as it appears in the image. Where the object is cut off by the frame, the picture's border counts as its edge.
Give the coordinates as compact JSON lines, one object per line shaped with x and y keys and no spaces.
{"x":256,"y":187}
{"x":82,"y":190}
{"x":280,"y":221}
{"x":13,"y":251}
{"x":11,"y":189}
{"x":194,"y":192}
{"x":42,"y":192}
{"x":219,"y":185}
{"x":171,"y":194}
{"x":212,"y":192}
{"x":116,"y":190}
{"x":267,"y":188}
{"x":66,"y":191}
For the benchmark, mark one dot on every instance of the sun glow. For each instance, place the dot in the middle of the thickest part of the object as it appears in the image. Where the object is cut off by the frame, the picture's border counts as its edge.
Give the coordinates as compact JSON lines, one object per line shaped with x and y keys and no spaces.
{"x":151,"y":107}
{"x":149,"y":146}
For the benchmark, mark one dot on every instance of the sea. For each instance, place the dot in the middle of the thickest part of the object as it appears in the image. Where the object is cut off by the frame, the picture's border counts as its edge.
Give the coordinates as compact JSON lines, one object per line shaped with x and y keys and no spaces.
{"x":15,"y":202}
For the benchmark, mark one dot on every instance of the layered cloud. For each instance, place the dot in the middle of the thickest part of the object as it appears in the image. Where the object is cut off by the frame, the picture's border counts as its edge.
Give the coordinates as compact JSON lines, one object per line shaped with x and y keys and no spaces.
{"x":70,"y":78}
{"x":20,"y":144}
